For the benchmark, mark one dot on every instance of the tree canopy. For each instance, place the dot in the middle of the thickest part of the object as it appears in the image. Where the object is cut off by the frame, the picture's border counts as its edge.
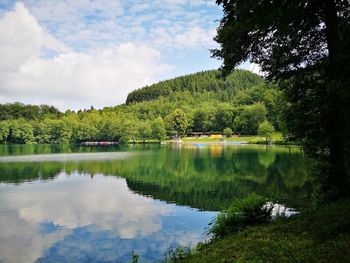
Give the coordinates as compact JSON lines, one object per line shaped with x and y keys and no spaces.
{"x":265,"y":129}
{"x":283,"y":36}
{"x":198,"y":82}
{"x":240,"y":103}
{"x":305,"y":46}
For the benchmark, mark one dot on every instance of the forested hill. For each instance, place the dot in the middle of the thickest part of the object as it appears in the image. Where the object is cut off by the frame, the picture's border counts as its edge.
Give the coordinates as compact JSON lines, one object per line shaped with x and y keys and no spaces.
{"x":199,"y":102}
{"x":197,"y":82}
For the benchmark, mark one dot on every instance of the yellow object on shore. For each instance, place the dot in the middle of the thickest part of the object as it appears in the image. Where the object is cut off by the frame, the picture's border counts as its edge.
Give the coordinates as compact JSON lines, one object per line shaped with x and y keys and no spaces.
{"x":216,"y":136}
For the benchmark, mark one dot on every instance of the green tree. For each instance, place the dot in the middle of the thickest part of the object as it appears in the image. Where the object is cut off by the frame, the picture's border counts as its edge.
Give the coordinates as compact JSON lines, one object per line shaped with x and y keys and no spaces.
{"x":126,"y":129}
{"x":85,"y":132}
{"x":21,"y":132}
{"x":223,"y":116}
{"x":249,"y":118}
{"x":274,"y":102}
{"x":42,"y":132}
{"x":265,"y":129}
{"x":176,"y":122}
{"x":61,"y":132}
{"x":116,"y":129}
{"x":199,"y":82}
{"x":203,"y":118}
{"x":158,"y":130}
{"x":200,"y":116}
{"x":228,"y":132}
{"x":144,"y":130}
{"x":305,"y":45}
{"x":4,"y":131}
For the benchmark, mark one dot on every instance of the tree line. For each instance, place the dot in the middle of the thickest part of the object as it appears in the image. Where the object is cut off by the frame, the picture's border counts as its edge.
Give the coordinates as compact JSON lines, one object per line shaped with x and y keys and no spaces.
{"x":251,"y":103}
{"x":19,"y":110}
{"x":197,"y":82}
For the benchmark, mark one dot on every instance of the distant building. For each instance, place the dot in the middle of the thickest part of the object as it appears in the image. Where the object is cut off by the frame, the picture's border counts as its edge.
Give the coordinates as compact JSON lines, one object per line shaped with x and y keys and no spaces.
{"x":196,"y":134}
{"x":235,"y":134}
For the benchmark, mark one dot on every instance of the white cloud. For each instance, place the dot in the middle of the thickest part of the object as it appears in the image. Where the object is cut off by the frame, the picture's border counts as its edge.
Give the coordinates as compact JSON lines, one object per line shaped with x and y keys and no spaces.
{"x":195,"y":36}
{"x":123,"y":21}
{"x":101,"y":204}
{"x":73,"y":54}
{"x":22,"y":38}
{"x":136,"y":215}
{"x":68,"y":79}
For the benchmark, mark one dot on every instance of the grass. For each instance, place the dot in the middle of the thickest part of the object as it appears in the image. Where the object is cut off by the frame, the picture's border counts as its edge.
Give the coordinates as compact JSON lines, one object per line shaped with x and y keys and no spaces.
{"x":276,"y":137}
{"x":321,"y":235}
{"x":249,"y":211}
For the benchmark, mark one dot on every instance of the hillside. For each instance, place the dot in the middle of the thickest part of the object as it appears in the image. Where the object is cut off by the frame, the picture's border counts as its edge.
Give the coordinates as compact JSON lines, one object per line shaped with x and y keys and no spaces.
{"x":198,"y":82}
{"x":240,"y":102}
{"x":199,"y":102}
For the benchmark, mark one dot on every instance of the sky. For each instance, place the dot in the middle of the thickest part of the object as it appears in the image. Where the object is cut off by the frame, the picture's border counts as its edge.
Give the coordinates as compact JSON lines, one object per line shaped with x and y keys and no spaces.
{"x":74,"y":54}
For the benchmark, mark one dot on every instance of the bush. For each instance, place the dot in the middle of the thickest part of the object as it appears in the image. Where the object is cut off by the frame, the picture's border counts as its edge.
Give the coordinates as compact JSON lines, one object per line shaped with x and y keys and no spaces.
{"x":228,"y":132}
{"x":177,"y":254}
{"x":250,"y":211}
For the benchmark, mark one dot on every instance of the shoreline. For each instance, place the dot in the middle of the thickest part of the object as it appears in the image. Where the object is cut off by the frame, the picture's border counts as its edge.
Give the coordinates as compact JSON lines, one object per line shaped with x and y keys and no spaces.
{"x":314,"y":235}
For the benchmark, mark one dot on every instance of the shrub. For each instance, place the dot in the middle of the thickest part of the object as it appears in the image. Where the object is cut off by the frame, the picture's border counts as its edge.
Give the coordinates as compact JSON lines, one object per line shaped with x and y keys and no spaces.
{"x":135,"y":257}
{"x":250,"y":211}
{"x":177,"y":254}
{"x":228,"y":132}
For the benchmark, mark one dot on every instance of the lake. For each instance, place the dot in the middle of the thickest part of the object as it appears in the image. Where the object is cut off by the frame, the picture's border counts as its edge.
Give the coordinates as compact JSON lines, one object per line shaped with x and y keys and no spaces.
{"x":66,"y":203}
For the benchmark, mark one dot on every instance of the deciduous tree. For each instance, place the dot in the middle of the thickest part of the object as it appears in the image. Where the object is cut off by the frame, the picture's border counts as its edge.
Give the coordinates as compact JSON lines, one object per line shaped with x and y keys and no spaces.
{"x":265,"y":129}
{"x":158,"y":130}
{"x":176,"y":122}
{"x":305,"y":45}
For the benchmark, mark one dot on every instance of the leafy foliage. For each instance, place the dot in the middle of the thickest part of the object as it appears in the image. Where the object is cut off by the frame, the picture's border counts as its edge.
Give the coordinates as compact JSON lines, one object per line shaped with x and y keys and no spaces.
{"x":200,"y":82}
{"x":250,"y":211}
{"x":21,"y":132}
{"x":177,"y":254}
{"x":240,"y":103}
{"x":227,"y":132}
{"x":176,"y":122}
{"x":158,"y":129}
{"x":319,"y":235}
{"x":18,"y":110}
{"x":265,"y":129}
{"x":4,"y":131}
{"x":305,"y":46}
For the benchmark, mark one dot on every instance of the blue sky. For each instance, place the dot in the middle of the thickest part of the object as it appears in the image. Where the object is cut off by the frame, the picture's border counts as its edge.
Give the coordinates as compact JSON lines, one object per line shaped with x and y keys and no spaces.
{"x":74,"y":54}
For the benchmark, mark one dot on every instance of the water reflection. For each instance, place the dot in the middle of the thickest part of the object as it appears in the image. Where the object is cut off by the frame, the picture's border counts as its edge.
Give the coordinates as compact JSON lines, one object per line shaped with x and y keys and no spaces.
{"x":202,"y":177}
{"x":64,"y":157}
{"x":76,"y":219}
{"x":93,"y":207}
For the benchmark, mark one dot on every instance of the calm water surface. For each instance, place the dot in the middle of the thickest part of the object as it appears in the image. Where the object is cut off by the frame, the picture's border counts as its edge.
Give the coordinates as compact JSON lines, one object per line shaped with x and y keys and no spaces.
{"x":82,"y":204}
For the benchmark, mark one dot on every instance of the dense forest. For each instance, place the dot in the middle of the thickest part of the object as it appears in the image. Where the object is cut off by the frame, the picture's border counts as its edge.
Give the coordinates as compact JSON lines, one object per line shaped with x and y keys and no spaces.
{"x":200,"y":102}
{"x":198,"y":82}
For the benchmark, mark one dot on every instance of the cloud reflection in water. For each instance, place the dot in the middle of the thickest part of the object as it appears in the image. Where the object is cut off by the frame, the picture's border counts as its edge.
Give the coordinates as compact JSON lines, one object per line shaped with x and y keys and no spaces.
{"x":76,"y":219}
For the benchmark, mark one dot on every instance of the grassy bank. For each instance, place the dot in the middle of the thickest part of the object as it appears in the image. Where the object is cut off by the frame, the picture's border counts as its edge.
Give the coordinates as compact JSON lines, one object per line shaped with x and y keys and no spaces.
{"x":276,"y":138}
{"x":321,"y":235}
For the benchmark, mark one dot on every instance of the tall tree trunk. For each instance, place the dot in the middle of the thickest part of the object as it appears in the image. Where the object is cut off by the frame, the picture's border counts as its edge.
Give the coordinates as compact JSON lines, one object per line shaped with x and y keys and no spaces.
{"x":335,"y":115}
